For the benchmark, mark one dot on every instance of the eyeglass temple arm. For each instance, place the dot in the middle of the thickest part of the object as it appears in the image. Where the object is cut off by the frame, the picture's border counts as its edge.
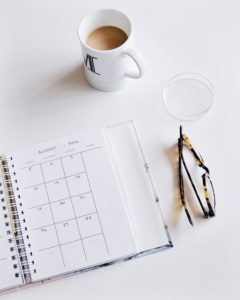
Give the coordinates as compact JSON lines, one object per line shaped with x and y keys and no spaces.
{"x":199,"y":160}
{"x":205,"y":189}
{"x":181,"y":184}
{"x":194,"y":188}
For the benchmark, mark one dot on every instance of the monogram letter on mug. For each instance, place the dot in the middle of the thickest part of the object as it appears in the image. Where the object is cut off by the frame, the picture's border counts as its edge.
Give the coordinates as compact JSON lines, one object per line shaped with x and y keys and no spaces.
{"x":106,"y":41}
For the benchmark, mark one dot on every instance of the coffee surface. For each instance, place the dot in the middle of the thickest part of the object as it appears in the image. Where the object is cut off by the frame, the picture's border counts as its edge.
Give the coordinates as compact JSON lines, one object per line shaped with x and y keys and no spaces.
{"x":106,"y":38}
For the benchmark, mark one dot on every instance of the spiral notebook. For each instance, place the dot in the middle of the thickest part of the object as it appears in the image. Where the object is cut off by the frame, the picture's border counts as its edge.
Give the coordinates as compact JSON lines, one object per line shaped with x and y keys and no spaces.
{"x":75,"y":204}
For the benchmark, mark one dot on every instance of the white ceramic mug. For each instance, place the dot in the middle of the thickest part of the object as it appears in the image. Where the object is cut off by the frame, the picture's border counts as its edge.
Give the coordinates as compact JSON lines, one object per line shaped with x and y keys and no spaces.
{"x":108,"y":70}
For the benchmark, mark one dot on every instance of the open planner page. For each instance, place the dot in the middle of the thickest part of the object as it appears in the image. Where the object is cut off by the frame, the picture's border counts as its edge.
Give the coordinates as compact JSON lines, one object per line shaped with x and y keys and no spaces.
{"x":75,"y":216}
{"x":9,"y":268}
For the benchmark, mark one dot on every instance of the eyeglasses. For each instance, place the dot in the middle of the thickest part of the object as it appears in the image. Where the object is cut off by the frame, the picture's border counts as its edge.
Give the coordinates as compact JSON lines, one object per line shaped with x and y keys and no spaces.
{"x":206,"y":184}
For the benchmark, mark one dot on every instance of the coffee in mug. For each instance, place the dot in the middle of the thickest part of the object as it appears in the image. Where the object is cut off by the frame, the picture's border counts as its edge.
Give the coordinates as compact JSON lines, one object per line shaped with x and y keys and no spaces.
{"x":106,"y":40}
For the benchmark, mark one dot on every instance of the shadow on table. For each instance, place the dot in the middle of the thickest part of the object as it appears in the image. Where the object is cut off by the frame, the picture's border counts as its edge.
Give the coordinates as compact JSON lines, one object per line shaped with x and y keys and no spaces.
{"x":177,"y":208}
{"x":71,"y":81}
{"x":61,"y":90}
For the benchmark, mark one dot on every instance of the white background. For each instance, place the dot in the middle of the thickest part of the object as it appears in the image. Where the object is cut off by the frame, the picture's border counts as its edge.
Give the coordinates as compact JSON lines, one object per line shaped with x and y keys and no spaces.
{"x":43,"y":96}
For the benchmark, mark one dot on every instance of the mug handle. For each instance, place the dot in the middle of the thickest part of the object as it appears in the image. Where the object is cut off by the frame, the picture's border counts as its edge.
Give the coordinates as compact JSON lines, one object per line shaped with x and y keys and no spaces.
{"x":137,"y":58}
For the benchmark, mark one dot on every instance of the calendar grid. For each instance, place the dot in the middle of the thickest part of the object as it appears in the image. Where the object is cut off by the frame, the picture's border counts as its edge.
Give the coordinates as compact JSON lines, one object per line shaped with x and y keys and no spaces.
{"x":68,"y":204}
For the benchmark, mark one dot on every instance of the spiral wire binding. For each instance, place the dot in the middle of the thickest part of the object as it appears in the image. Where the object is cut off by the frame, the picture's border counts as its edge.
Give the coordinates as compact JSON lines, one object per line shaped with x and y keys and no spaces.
{"x":15,"y":220}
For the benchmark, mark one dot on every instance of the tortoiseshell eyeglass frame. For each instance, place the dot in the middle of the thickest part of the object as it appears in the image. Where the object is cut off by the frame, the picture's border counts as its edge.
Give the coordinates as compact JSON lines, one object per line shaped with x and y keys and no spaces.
{"x":211,"y":203}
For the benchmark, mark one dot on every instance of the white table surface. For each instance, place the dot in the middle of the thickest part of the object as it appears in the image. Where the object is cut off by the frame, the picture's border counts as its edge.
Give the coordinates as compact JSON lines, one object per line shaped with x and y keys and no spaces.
{"x":43,"y":96}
